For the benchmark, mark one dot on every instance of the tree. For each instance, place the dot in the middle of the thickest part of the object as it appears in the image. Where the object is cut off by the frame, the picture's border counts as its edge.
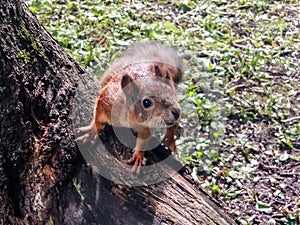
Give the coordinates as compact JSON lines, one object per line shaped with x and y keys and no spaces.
{"x":43,"y":176}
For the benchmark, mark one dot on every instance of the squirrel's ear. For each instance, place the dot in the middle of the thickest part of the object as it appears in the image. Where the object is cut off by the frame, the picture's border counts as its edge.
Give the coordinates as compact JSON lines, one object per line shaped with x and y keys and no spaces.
{"x":130,"y":89}
{"x":157,"y":71}
{"x":169,"y":72}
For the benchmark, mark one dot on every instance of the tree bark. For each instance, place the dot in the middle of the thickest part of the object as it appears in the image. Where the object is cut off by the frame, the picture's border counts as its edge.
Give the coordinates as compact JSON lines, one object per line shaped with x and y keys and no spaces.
{"x":43,"y":176}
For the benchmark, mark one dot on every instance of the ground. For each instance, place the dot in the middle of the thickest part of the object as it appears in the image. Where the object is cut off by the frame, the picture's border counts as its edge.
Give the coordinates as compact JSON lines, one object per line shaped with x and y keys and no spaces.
{"x":241,"y":123}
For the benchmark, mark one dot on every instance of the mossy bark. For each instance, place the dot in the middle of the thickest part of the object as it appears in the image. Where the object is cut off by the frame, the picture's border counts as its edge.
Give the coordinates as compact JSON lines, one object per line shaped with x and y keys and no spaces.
{"x":43,"y":177}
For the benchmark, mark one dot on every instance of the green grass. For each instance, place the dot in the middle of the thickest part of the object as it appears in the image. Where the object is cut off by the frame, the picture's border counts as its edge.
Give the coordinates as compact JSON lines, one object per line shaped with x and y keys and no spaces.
{"x":242,"y":132}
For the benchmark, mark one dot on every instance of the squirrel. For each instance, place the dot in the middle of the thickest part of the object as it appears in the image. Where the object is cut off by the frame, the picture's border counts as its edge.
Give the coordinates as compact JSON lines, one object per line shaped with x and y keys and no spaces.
{"x":140,"y":87}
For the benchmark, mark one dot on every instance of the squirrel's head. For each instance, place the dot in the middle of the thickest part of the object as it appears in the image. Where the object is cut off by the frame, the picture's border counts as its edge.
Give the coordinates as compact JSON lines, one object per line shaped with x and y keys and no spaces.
{"x":152,"y":102}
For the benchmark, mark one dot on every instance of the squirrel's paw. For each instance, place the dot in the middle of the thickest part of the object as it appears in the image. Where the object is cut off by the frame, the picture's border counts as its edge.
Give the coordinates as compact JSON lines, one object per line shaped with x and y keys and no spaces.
{"x":170,"y":144}
{"x":169,"y":138}
{"x":90,"y":134}
{"x":169,"y":141}
{"x":139,"y":159}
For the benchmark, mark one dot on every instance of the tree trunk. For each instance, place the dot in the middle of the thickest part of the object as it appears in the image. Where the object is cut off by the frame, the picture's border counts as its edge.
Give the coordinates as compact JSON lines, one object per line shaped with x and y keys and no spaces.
{"x":43,"y":177}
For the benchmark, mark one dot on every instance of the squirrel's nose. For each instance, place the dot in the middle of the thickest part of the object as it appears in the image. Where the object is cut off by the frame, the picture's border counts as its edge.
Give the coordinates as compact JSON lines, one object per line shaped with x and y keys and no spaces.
{"x":176,"y":113}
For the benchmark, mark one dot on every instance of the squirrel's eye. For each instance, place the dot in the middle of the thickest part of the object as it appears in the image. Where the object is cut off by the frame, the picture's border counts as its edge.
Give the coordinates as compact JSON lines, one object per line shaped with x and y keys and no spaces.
{"x":147,"y":103}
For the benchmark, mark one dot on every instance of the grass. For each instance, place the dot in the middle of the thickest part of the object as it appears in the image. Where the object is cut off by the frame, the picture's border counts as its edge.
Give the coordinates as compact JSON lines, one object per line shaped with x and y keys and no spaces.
{"x":241,"y":135}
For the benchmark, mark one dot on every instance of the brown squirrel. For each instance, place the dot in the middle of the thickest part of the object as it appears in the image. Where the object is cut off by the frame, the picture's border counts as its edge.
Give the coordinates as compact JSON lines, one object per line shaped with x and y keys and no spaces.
{"x":134,"y":86}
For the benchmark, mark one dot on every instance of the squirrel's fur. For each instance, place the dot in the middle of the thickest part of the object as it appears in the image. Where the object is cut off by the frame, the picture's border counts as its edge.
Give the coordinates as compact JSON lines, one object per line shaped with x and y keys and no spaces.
{"x":138,"y":91}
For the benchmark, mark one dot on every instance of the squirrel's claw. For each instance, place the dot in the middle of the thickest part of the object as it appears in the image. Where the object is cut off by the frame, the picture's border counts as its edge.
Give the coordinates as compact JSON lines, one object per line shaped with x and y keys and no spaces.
{"x":90,"y":134}
{"x":139,"y":160}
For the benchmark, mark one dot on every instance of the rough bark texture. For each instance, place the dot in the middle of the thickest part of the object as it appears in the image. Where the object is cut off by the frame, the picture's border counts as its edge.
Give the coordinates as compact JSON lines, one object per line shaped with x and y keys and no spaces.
{"x":43,"y":177}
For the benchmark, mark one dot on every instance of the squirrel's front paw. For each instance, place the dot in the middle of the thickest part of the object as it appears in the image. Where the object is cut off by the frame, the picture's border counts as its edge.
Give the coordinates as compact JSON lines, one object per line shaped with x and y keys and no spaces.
{"x":171,"y":134}
{"x":90,"y":134}
{"x":139,"y":159}
{"x":169,"y":141}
